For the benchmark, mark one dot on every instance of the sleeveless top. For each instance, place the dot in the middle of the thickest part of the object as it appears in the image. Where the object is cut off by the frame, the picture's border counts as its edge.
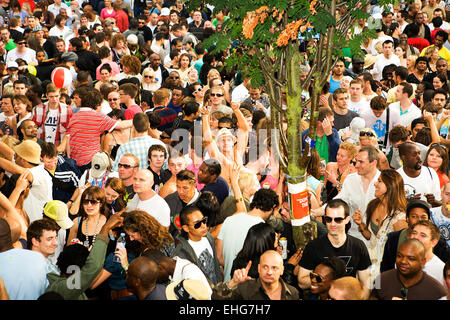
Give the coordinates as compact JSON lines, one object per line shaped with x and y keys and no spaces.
{"x":80,"y":235}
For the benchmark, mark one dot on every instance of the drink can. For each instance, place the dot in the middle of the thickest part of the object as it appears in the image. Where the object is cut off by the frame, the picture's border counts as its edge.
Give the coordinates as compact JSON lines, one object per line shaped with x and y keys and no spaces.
{"x":283,"y":243}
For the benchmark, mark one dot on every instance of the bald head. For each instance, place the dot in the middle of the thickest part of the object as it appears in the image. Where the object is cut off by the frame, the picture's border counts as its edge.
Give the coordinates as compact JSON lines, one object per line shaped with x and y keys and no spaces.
{"x":414,"y":244}
{"x":144,"y":271}
{"x":143,"y":181}
{"x":272,"y":255}
{"x":346,"y":288}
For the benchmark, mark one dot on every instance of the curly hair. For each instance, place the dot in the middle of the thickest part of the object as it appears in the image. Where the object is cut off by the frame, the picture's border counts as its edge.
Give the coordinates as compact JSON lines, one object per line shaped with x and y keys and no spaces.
{"x":131,"y":62}
{"x":154,"y":235}
{"x":264,"y":200}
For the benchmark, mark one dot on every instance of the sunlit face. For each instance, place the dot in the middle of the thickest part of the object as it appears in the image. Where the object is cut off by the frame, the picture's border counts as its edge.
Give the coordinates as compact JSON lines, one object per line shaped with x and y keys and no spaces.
{"x":380,"y":188}
{"x":342,"y":101}
{"x":437,"y":83}
{"x":440,"y":100}
{"x":20,"y":107}
{"x":416,"y":214}
{"x":177,"y":97}
{"x":186,"y":190}
{"x":142,"y":182}
{"x":105,"y":74}
{"x":193,"y":233}
{"x":53,"y":98}
{"x":184,"y":62}
{"x":399,"y":52}
{"x":355,"y":90}
{"x":176,"y":165}
{"x":342,"y":157}
{"x":339,"y":68}
{"x":363,"y":166}
{"x":47,"y":243}
{"x":423,"y":234}
{"x":128,"y":172}
{"x":270,"y":268}
{"x":434,"y":159}
{"x":157,"y":159}
{"x":7,"y":106}
{"x":50,"y":163}
{"x":226,"y":143}
{"x":92,"y":208}
{"x":111,"y":195}
{"x":20,"y":88}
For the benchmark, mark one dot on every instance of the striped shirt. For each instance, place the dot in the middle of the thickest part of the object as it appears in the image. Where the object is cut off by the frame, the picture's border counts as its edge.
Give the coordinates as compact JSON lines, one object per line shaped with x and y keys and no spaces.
{"x":84,"y":129}
{"x":139,"y":147}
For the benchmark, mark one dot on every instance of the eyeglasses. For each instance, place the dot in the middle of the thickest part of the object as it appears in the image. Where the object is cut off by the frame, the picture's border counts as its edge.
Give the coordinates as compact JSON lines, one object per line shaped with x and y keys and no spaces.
{"x":126,"y":166}
{"x":216,"y":94}
{"x":199,"y":223}
{"x":91,"y":202}
{"x":318,"y":278}
{"x":438,"y":145}
{"x":366,"y":133}
{"x":329,"y":219}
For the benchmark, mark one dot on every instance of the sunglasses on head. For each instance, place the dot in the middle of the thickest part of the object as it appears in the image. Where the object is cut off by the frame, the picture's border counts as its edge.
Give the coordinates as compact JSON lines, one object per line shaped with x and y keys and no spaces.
{"x":366,"y":133}
{"x":328,"y":219}
{"x":126,"y":166}
{"x":90,"y":201}
{"x":199,"y":223}
{"x":318,"y":278}
{"x":216,"y":95}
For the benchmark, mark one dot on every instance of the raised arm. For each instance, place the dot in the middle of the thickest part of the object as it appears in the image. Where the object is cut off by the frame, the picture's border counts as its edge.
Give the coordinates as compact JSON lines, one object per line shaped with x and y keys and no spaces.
{"x":242,"y":132}
{"x":233,"y":174}
{"x":213,"y":150}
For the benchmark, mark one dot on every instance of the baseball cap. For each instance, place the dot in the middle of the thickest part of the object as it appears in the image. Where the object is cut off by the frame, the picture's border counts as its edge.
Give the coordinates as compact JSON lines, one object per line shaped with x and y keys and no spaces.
{"x":12,"y":64}
{"x":165,"y":12}
{"x":414,"y":203}
{"x":132,"y":39}
{"x":58,"y":211}
{"x":99,"y":164}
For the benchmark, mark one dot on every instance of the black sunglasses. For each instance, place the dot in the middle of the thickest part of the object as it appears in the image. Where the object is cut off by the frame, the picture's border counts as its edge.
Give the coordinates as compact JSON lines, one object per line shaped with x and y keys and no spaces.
{"x":329,"y":219}
{"x":113,"y":99}
{"x":174,"y":77}
{"x":366,"y":133}
{"x":199,"y":223}
{"x":126,"y":166}
{"x":90,"y":201}
{"x":216,"y":95}
{"x":318,"y":278}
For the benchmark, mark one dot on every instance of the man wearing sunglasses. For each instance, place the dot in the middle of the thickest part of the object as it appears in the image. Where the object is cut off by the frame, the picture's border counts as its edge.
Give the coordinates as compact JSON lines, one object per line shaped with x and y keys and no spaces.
{"x":22,"y":52}
{"x":337,"y":243}
{"x":196,"y":244}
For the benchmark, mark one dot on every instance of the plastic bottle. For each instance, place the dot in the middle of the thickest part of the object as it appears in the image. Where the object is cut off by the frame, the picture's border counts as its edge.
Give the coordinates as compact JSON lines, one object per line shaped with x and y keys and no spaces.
{"x":120,"y":243}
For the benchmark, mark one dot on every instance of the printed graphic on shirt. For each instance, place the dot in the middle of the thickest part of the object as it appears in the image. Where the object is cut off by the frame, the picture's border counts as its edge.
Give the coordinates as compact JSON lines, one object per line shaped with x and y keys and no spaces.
{"x":206,"y":264}
{"x":51,"y":124}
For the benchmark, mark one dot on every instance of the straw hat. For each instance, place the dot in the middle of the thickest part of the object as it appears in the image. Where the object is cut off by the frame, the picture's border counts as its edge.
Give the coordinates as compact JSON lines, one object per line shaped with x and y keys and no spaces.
{"x":369,"y":60}
{"x":29,"y":150}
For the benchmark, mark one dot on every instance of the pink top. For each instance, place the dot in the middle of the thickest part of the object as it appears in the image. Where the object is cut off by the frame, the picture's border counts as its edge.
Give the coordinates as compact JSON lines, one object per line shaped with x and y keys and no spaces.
{"x":195,"y":170}
{"x":105,"y":14}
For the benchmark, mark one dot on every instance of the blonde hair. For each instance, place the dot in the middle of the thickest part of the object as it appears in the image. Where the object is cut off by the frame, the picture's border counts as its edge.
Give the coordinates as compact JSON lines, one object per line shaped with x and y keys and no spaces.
{"x":373,"y":139}
{"x":351,"y":149}
{"x":246,"y":179}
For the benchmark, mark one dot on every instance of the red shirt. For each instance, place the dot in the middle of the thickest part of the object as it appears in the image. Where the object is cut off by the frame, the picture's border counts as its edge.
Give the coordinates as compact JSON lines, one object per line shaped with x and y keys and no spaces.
{"x":84,"y":129}
{"x":131,"y":111}
{"x":419,"y":43}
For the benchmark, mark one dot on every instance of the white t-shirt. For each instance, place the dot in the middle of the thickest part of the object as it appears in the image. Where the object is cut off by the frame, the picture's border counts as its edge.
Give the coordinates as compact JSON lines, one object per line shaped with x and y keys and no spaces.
{"x":434,"y":268}
{"x":51,"y":125}
{"x":184,"y":269}
{"x":200,"y":246}
{"x":353,"y":193}
{"x":40,"y":193}
{"x":358,"y":107}
{"x":377,"y":71}
{"x":407,"y":117}
{"x":442,"y":222}
{"x":378,"y":124}
{"x":233,"y":233}
{"x":29,"y":56}
{"x":426,"y":182}
{"x":66,"y":33}
{"x":155,"y":206}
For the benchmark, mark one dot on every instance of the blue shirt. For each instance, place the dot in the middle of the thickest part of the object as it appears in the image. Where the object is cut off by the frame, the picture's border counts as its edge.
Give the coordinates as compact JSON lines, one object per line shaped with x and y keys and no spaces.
{"x":24,"y":273}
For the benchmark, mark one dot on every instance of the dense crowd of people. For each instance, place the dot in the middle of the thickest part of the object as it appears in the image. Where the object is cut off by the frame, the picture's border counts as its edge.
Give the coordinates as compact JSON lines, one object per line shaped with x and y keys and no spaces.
{"x":152,"y":174}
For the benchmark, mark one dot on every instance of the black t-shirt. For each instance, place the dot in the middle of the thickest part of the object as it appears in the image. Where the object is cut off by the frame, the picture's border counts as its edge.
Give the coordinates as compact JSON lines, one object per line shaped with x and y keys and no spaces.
{"x":353,"y":252}
{"x":343,"y":121}
{"x":219,"y":188}
{"x":159,"y":179}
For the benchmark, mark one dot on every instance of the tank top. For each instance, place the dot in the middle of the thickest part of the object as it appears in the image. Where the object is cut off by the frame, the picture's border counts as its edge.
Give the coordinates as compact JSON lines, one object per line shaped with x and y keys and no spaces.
{"x":81,"y":236}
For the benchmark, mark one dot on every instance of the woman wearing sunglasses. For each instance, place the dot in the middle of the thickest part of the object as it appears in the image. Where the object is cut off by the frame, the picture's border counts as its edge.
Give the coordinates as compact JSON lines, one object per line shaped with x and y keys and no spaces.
{"x":368,"y":137}
{"x":385,"y":213}
{"x":330,"y":269}
{"x":91,"y":217}
{"x":437,"y":158}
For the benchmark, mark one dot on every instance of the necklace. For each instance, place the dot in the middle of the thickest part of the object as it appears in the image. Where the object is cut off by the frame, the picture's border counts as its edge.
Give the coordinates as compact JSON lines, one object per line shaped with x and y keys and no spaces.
{"x":86,"y":242}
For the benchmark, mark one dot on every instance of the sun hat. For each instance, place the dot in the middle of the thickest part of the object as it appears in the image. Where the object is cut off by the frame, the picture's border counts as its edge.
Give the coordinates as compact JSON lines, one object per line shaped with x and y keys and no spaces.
{"x":29,"y":150}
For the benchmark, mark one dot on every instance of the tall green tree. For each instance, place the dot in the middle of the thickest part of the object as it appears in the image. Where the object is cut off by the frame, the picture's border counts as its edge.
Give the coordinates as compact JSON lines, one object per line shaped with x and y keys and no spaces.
{"x":263,"y":40}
